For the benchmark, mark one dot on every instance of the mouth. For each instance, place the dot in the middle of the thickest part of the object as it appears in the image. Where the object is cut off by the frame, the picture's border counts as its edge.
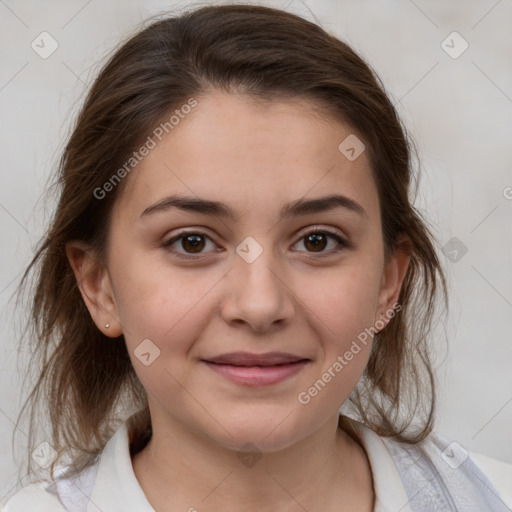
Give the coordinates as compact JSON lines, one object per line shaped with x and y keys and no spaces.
{"x":250,"y":369}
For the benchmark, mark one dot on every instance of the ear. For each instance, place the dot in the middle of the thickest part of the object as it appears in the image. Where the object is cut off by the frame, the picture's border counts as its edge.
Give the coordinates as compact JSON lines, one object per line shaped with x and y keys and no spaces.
{"x":395,"y":270}
{"x":95,"y":286}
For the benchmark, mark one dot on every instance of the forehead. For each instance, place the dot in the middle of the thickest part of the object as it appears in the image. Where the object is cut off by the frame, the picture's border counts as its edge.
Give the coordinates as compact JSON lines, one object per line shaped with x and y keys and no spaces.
{"x":253,"y":155}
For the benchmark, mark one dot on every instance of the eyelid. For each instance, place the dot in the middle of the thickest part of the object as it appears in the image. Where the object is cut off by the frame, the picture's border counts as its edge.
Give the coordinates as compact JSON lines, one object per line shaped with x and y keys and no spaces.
{"x":181,"y":234}
{"x":336,"y":234}
{"x":333,"y":232}
{"x":317,"y":228}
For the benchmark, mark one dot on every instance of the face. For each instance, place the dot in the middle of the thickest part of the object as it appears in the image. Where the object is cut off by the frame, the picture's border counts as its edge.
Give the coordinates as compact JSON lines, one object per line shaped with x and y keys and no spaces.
{"x":271,"y":267}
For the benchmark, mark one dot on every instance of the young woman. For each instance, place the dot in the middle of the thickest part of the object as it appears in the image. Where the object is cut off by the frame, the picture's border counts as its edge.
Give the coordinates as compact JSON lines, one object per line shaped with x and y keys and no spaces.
{"x":235,"y":256}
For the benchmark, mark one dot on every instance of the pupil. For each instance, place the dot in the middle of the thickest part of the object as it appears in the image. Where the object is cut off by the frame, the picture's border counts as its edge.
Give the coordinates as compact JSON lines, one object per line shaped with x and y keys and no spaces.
{"x":194,"y":241}
{"x":317,"y":240}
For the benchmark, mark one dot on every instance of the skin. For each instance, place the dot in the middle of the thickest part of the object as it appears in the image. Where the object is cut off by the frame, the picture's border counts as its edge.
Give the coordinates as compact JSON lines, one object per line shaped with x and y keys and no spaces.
{"x":255,"y":158}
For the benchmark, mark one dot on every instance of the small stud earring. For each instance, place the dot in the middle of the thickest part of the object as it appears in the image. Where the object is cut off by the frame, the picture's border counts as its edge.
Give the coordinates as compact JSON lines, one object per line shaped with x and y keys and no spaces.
{"x":107,"y":326}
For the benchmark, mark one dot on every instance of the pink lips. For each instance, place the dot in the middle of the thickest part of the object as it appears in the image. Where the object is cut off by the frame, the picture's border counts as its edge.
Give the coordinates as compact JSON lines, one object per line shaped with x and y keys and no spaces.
{"x":256,"y":369}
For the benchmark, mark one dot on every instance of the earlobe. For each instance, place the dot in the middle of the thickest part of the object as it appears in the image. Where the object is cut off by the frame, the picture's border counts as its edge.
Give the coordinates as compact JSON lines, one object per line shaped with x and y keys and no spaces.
{"x":94,"y":283}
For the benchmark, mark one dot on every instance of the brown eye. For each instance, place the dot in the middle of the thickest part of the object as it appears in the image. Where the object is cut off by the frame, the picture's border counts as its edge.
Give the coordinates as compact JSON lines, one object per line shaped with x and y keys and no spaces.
{"x":316,"y":242}
{"x":189,"y":243}
{"x":193,"y":243}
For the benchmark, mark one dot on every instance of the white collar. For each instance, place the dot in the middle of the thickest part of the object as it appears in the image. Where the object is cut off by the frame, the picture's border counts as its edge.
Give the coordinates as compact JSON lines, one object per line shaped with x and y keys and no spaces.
{"x":390,"y":494}
{"x":117,"y":488}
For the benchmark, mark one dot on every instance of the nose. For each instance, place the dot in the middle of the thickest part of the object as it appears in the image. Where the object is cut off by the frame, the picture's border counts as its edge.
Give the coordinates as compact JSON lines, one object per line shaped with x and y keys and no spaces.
{"x":257,"y":294}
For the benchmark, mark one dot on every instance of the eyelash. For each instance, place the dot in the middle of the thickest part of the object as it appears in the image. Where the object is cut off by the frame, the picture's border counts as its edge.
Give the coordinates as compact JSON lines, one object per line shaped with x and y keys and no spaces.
{"x":342,"y":243}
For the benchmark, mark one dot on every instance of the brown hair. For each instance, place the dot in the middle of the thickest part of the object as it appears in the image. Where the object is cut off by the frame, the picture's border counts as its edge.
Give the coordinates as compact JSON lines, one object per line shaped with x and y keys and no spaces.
{"x":86,"y":379}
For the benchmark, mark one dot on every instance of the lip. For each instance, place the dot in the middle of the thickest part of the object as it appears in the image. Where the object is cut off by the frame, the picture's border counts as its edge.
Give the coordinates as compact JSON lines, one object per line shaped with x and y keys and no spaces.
{"x":251,"y":369}
{"x":253,"y":359}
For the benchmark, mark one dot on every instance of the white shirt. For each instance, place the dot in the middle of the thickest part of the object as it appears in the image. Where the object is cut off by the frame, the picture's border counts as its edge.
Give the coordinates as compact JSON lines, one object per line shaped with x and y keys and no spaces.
{"x":400,"y":480}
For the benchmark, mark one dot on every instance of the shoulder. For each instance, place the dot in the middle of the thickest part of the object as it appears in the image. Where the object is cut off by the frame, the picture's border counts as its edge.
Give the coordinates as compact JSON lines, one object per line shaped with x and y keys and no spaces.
{"x":499,"y":474}
{"x":59,"y":495}
{"x":73,"y":491}
{"x":434,"y":474}
{"x":34,"y":497}
{"x":452,"y":471}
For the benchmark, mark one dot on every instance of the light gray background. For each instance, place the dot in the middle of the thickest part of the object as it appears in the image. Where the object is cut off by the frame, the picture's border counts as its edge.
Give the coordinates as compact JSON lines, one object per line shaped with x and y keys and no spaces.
{"x":459,"y":110}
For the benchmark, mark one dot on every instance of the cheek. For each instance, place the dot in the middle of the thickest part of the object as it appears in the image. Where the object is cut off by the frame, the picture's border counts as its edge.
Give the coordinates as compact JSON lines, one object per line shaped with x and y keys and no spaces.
{"x":342,"y":308}
{"x":169,"y":311}
{"x":156,"y":301}
{"x":342,"y":312}
{"x":344,"y":302}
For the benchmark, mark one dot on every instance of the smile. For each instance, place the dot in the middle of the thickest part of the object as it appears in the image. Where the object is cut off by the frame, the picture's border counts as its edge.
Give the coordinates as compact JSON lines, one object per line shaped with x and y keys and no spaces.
{"x":257,"y":375}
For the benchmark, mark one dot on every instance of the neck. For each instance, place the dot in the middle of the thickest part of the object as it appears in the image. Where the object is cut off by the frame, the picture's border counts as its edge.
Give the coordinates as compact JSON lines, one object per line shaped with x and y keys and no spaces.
{"x":179,"y":470}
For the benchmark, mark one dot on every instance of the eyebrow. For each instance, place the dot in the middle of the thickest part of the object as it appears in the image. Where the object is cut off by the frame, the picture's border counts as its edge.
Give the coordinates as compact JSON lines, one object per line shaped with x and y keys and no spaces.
{"x":217,"y":209}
